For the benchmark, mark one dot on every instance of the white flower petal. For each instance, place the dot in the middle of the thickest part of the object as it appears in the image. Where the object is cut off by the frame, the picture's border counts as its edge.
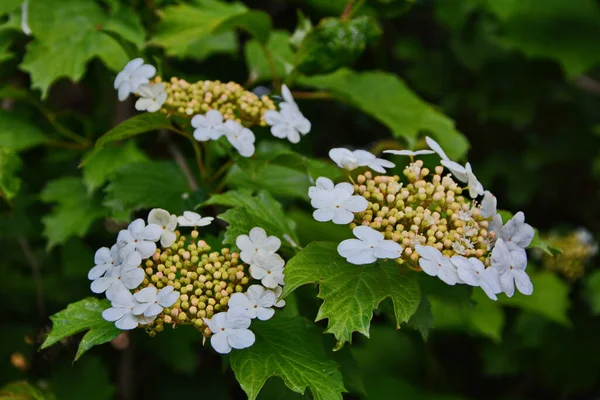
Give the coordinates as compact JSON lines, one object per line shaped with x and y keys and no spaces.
{"x":219,"y":342}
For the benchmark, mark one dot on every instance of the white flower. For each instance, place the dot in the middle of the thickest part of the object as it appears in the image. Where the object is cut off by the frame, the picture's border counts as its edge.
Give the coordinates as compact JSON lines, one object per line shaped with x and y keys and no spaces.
{"x":488,"y":205}
{"x":409,"y":153}
{"x":168,"y":223}
{"x":475,"y":187}
{"x":257,"y":301}
{"x":278,"y":291}
{"x":369,"y":246}
{"x":511,"y":265}
{"x":434,"y":263}
{"x":268,"y":267}
{"x":516,"y":233}
{"x":139,"y":238}
{"x":149,"y":302}
{"x":122,"y":312}
{"x":230,"y":330}
{"x":335,"y":203}
{"x":191,"y":218}
{"x":257,"y":241}
{"x":135,"y":74}
{"x":241,"y":138}
{"x":473,"y":272}
{"x":208,"y":127}
{"x":351,"y":160}
{"x":105,"y":260}
{"x":496,"y":224}
{"x":152,"y":97}
{"x":288,"y":123}
{"x":119,"y":279}
{"x":24,"y":17}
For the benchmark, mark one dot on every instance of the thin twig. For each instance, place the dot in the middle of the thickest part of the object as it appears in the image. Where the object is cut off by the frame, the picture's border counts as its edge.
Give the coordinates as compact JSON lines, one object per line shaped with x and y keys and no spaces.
{"x":126,"y":374}
{"x":271,"y":62}
{"x":347,"y":10}
{"x":588,"y":84}
{"x":221,"y":170}
{"x":37,"y":277}
{"x":312,"y":95}
{"x":196,"y":147}
{"x":180,"y":160}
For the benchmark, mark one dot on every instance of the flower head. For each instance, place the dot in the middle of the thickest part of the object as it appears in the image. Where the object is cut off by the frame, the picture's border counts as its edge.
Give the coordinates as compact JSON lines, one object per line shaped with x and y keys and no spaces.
{"x":369,"y":246}
{"x":256,"y":241}
{"x":434,"y":263}
{"x":268,"y":267}
{"x":135,"y":74}
{"x":511,"y":265}
{"x":472,"y":272}
{"x":241,"y":138}
{"x":150,"y":302}
{"x":152,"y":97}
{"x":168,"y":223}
{"x":208,"y":127}
{"x":139,"y":238}
{"x":335,"y":203}
{"x":257,"y":301}
{"x":191,"y":218}
{"x":351,"y":160}
{"x":230,"y":330}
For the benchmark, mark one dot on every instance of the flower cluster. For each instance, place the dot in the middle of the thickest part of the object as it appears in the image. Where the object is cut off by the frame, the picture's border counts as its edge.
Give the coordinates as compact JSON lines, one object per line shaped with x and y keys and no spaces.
{"x":154,"y":276}
{"x":578,"y":247}
{"x":428,"y":221}
{"x":216,"y":109}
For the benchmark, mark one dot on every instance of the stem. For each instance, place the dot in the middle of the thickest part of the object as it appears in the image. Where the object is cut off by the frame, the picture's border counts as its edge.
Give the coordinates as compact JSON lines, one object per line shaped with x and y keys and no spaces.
{"x":221,"y":170}
{"x":347,"y":11}
{"x":196,"y":147}
{"x":588,"y":84}
{"x":312,"y":95}
{"x":37,"y":277}
{"x":180,"y":160}
{"x":67,"y":145}
{"x":271,"y":61}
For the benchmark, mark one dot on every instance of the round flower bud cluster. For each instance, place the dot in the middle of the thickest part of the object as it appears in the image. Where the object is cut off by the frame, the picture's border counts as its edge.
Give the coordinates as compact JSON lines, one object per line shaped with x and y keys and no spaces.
{"x":155,"y":276}
{"x":577,"y":248}
{"x":427,"y":221}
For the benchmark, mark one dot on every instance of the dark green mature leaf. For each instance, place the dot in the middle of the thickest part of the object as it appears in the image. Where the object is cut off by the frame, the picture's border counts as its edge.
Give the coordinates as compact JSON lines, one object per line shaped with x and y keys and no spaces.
{"x":147,"y":185}
{"x":335,"y":43}
{"x":249,"y":211}
{"x":74,"y":212}
{"x":17,"y":133}
{"x":351,"y":292}
{"x":10,"y":166}
{"x":24,"y":391}
{"x":84,"y":315}
{"x":422,"y":319}
{"x":289,"y":348}
{"x":279,"y":47}
{"x":126,"y":23}
{"x":137,"y":125}
{"x":89,"y":380}
{"x":387,"y":98}
{"x":592,"y":291}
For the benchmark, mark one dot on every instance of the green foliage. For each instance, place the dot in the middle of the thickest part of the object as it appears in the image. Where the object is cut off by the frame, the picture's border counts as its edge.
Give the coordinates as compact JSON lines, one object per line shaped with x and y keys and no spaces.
{"x":350,"y":292}
{"x":18,"y":133}
{"x":84,"y":315}
{"x":24,"y":390}
{"x":275,"y":353}
{"x":278,"y":46}
{"x":88,"y":379}
{"x":592,"y":292}
{"x":10,"y":165}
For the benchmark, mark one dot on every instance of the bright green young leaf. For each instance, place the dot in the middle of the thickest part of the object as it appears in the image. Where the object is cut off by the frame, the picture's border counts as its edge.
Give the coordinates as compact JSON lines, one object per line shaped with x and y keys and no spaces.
{"x":257,"y":23}
{"x":126,"y":23}
{"x":541,"y":244}
{"x":276,"y":352}
{"x":147,"y":185}
{"x":279,"y":47}
{"x":351,"y":292}
{"x":387,"y":98}
{"x":219,"y":43}
{"x":335,"y":43}
{"x":310,"y":230}
{"x":303,"y":27}
{"x":249,"y":211}
{"x":74,"y":212}
{"x":133,"y":126}
{"x":10,"y":166}
{"x":24,"y":391}
{"x":98,"y":169}
{"x":592,"y":291}
{"x":7,"y":6}
{"x":18,"y":133}
{"x":90,"y":379}
{"x":84,"y":315}
{"x":6,"y":42}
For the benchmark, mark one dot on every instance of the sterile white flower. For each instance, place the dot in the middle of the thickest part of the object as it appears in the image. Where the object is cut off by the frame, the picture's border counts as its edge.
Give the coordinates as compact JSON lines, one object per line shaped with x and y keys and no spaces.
{"x":208,"y":126}
{"x":256,"y":241}
{"x":24,"y":18}
{"x":122,"y":312}
{"x":475,"y":187}
{"x":289,"y":123}
{"x":335,"y":203}
{"x":152,"y":97}
{"x":496,"y":224}
{"x":135,"y":74}
{"x":119,"y":279}
{"x":369,"y":246}
{"x":455,"y":168}
{"x":241,"y":138}
{"x":434,"y":263}
{"x":257,"y":301}
{"x":511,"y":265}
{"x":488,"y":205}
{"x":139,"y":238}
{"x":230,"y":330}
{"x":150,"y":302}
{"x":191,"y":218}
{"x":409,"y":153}
{"x":516,"y":233}
{"x":351,"y":160}
{"x":278,"y":291}
{"x":288,"y":99}
{"x":268,"y":267}
{"x":105,"y":260}
{"x":168,"y":223}
{"x":473,"y":272}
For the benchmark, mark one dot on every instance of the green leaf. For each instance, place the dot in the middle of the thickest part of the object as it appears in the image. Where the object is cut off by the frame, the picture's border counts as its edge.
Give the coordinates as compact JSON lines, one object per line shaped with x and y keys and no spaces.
{"x":8,"y":5}
{"x":66,"y":38}
{"x":74,"y":212}
{"x":592,"y":291}
{"x":276,"y":353}
{"x":18,"y":133}
{"x":133,"y":126}
{"x":335,"y":43}
{"x":126,"y":23}
{"x":84,"y":315}
{"x":257,"y":23}
{"x":303,"y":28}
{"x":311,"y":230}
{"x":10,"y":166}
{"x":539,"y":243}
{"x":147,"y":185}
{"x":350,"y":292}
{"x":249,"y":211}
{"x":24,"y":391}
{"x":103,"y":166}
{"x":387,"y":98}
{"x":89,"y":379}
{"x":279,"y":47}
{"x":550,"y":297}
{"x":422,"y":319}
